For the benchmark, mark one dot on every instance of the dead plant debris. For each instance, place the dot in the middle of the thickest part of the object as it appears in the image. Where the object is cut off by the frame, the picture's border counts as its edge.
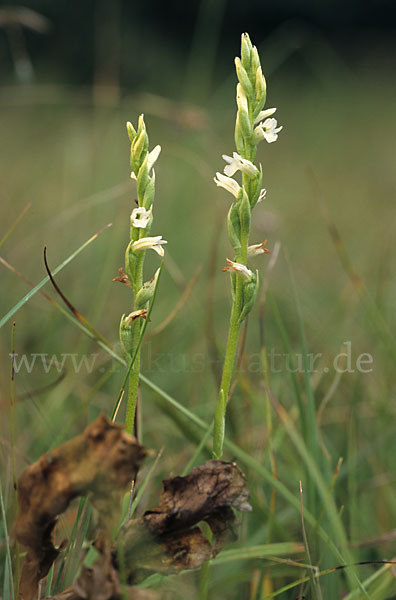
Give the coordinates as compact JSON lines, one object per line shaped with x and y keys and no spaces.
{"x":100,"y":463}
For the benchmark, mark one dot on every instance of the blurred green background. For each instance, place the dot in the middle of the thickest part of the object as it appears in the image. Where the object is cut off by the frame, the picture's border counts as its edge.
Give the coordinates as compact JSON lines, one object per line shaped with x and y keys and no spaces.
{"x":72,"y":74}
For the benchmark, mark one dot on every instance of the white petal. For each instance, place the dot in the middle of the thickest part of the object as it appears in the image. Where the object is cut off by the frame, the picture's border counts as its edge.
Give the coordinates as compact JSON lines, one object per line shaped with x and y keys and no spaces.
{"x":228,"y":184}
{"x":270,"y":136}
{"x":152,"y":157}
{"x":140,"y":217}
{"x":264,"y":114}
{"x":230,"y":170}
{"x":270,"y":123}
{"x":158,"y":249}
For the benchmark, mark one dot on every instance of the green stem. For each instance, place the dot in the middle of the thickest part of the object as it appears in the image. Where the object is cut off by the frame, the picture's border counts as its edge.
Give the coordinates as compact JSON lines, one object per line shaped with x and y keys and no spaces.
{"x":230,"y":354}
{"x":133,"y":381}
{"x":133,"y":386}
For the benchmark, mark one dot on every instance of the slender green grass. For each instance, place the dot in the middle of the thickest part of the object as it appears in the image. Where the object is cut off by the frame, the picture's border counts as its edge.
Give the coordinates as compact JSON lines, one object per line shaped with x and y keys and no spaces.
{"x":8,"y":586}
{"x":63,"y":264}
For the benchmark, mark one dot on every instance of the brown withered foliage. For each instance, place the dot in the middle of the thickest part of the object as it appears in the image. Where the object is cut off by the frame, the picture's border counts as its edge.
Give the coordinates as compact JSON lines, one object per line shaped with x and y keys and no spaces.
{"x":100,"y":463}
{"x":166,"y":539}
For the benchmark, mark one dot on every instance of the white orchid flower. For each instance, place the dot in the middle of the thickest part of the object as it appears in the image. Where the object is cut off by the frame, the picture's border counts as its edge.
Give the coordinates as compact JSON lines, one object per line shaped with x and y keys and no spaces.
{"x":237,"y":163}
{"x":256,"y":249}
{"x":228,"y":184}
{"x":267,"y":130}
{"x":238,"y":268}
{"x":140,"y":216}
{"x":150,"y":243}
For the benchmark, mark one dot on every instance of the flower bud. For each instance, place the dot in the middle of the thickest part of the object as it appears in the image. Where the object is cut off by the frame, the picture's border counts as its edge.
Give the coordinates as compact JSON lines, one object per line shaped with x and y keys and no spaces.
{"x":239,"y":138}
{"x":244,"y":79}
{"x":131,"y":131}
{"x":138,"y":151}
{"x":149,"y":192}
{"x":145,"y":294}
{"x":142,"y":178}
{"x":261,"y":91}
{"x":126,"y":335}
{"x":130,"y":263}
{"x":255,"y":62}
{"x":244,"y":213}
{"x":246,"y":50}
{"x":255,"y":188}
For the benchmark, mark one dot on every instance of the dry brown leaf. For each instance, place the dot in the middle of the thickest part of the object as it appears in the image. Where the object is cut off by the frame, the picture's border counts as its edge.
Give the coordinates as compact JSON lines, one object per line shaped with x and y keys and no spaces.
{"x":99,"y":462}
{"x":166,"y":539}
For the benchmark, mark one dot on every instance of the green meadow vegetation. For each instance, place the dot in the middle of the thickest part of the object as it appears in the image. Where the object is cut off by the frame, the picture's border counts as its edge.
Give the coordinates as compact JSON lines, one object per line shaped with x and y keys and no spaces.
{"x":311,"y":420}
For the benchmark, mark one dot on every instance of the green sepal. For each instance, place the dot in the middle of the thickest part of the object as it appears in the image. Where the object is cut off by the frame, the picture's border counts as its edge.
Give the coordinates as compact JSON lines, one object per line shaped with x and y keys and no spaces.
{"x":134,"y":233}
{"x":254,"y":65}
{"x":149,"y":192}
{"x":130,"y":263}
{"x":142,"y":179}
{"x":131,"y":131}
{"x":244,"y":211}
{"x":245,"y":125}
{"x":126,"y":335}
{"x":234,"y":228}
{"x":261,"y":92}
{"x":250,"y":291}
{"x":138,"y":151}
{"x":243,"y":78}
{"x":246,"y":51}
{"x":239,"y":139}
{"x":146,"y":292}
{"x":255,"y":188}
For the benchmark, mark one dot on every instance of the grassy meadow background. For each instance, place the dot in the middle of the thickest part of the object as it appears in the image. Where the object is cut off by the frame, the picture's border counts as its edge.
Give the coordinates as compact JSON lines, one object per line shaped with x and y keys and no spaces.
{"x":330,"y":183}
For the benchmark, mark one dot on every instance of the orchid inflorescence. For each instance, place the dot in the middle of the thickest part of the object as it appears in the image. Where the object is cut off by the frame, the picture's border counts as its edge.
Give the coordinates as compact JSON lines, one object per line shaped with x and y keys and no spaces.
{"x":141,"y":219}
{"x":253,"y":124}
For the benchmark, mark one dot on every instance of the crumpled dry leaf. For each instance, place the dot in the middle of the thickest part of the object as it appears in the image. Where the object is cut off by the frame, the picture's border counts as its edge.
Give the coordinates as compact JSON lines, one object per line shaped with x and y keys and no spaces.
{"x":99,"y":462}
{"x":165,"y":539}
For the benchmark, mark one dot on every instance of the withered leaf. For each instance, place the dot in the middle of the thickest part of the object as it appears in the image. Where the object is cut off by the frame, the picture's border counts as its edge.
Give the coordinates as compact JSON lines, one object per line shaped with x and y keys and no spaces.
{"x":99,"y":462}
{"x":166,"y":538}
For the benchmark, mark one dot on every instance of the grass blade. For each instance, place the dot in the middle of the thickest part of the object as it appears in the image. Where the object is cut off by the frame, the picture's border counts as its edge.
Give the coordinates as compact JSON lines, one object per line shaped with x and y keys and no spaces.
{"x":7,"y":542}
{"x":32,"y":292}
{"x":15,"y":223}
